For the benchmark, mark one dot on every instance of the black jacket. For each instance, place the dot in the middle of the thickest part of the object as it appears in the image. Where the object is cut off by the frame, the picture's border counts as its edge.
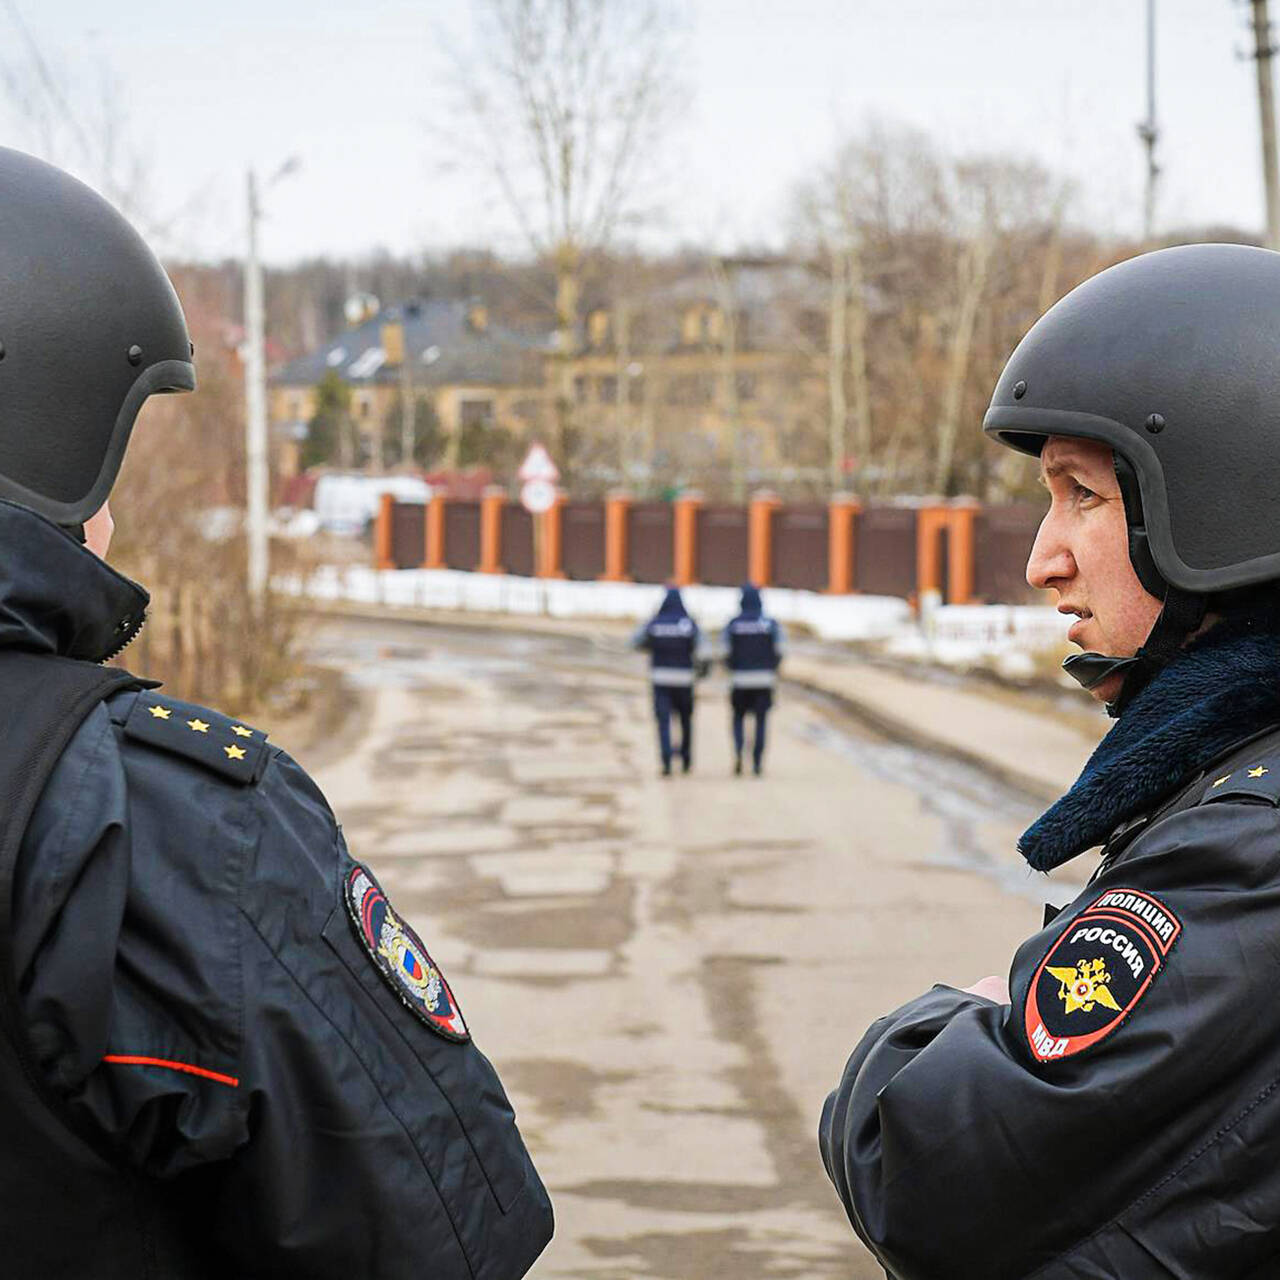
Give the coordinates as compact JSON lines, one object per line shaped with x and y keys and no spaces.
{"x":196,"y":993}
{"x":1121,"y":1118}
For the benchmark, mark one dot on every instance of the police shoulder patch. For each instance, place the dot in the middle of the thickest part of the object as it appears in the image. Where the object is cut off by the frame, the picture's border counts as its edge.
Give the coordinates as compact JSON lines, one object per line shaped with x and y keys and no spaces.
{"x":400,"y":957}
{"x":226,"y":746}
{"x":1101,"y":965}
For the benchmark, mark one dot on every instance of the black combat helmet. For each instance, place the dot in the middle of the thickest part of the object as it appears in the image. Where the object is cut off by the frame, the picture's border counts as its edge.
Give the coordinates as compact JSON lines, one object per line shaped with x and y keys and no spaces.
{"x":89,"y":328}
{"x":1173,"y":359}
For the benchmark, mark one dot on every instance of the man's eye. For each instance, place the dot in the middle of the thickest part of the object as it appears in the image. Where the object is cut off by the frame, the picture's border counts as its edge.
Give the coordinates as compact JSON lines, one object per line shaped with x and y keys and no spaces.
{"x":1083,"y":494}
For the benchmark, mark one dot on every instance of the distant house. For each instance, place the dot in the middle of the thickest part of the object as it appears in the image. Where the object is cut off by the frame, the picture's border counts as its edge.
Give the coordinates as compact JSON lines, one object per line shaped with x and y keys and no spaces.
{"x":472,"y":372}
{"x":728,"y":358}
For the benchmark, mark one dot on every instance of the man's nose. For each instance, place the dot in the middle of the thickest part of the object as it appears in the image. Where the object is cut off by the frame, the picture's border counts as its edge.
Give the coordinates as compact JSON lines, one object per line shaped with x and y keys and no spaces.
{"x":1051,"y":559}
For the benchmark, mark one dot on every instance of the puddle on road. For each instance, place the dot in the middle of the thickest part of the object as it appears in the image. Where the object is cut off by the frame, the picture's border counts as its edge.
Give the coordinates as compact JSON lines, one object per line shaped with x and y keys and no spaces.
{"x":603,"y":922}
{"x":730,"y":1251}
{"x":565,"y":1088}
{"x":960,"y":796}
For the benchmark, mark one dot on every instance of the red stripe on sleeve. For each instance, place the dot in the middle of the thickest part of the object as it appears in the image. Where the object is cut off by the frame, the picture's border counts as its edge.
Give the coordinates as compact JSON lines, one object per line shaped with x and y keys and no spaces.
{"x":133,"y":1060}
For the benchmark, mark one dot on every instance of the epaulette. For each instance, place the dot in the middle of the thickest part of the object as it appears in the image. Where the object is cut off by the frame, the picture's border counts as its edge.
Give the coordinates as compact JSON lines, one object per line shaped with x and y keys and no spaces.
{"x":1252,"y":779}
{"x":226,"y":746}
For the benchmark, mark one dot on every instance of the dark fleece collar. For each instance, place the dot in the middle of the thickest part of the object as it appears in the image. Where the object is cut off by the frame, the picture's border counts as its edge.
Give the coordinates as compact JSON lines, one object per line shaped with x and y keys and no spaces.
{"x":1221,"y":690}
{"x":56,"y":596}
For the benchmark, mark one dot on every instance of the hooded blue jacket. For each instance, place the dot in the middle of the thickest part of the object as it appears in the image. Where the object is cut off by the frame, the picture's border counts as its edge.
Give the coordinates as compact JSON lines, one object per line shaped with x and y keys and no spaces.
{"x":753,"y":644}
{"x":674,"y":643}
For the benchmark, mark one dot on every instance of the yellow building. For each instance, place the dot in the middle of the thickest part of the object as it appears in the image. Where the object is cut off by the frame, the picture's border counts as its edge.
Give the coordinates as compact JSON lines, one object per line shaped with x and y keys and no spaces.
{"x":719,"y":372}
{"x":723,"y":368}
{"x":472,"y":373}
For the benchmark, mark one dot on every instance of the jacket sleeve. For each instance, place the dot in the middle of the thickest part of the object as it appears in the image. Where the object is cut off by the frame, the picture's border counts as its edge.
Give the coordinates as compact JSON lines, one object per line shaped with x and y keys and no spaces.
{"x":640,"y":637}
{"x":375,"y":1145}
{"x":959,"y":1121}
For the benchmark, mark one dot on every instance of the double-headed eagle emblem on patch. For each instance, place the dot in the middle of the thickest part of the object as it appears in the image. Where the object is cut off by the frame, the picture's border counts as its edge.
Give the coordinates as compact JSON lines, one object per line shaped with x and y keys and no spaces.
{"x":1084,"y":986}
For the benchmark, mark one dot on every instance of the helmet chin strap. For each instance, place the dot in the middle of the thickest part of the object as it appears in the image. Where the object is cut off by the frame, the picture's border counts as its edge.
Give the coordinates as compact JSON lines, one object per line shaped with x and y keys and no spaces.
{"x":1181,"y":616}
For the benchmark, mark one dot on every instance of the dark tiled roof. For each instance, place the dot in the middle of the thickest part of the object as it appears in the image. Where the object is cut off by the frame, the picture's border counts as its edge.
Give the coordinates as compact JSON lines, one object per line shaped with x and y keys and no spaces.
{"x":443,"y":346}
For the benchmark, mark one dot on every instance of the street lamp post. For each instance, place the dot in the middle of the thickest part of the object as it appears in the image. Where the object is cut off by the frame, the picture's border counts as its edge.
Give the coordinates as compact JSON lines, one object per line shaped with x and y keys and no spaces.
{"x":255,"y":387}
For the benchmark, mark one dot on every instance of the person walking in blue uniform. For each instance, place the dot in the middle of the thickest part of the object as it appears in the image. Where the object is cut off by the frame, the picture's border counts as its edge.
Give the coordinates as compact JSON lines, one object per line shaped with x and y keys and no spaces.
{"x":753,"y":645}
{"x":676,"y":652}
{"x":222,"y":1052}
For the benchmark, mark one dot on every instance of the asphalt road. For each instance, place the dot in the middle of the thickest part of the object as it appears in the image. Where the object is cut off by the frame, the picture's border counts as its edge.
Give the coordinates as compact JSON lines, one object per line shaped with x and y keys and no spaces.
{"x":668,"y":973}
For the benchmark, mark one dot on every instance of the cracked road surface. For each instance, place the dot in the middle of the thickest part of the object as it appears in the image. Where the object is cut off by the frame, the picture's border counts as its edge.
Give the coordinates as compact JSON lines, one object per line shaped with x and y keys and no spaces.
{"x":668,"y":973}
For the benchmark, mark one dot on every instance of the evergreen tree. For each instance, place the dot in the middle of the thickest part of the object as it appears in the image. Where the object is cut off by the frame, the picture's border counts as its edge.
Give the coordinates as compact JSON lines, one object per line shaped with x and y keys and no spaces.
{"x":331,"y":419}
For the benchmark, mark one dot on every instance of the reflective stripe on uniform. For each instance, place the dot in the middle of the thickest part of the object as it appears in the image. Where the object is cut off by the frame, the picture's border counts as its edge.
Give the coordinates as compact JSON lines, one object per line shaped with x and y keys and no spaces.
{"x":672,"y":677}
{"x":753,"y":679}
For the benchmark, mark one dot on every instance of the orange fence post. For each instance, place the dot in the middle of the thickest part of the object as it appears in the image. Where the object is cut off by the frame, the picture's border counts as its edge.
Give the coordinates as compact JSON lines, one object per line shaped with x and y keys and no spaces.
{"x":929,"y":522}
{"x":383,"y":550}
{"x":841,"y":512}
{"x":551,"y":543}
{"x":760,"y":538}
{"x":435,"y":533}
{"x":961,"y":551}
{"x":685,"y":539}
{"x":617,"y":508}
{"x":491,"y":504}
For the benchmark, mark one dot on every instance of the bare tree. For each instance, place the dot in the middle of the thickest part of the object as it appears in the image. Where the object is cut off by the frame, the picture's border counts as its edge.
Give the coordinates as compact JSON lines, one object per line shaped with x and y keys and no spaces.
{"x":936,"y":268}
{"x":567,"y":100}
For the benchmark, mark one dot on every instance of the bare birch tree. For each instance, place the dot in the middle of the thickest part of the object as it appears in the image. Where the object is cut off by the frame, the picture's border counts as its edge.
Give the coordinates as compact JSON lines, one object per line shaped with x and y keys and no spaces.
{"x":567,"y":100}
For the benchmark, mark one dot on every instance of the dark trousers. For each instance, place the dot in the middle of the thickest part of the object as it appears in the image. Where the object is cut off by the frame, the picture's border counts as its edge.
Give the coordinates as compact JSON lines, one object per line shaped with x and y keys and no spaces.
{"x":680,"y":700}
{"x":755,"y":702}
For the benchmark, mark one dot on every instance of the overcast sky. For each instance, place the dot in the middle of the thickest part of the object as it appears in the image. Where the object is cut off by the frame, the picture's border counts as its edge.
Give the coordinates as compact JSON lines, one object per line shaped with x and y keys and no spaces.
{"x":354,"y":91}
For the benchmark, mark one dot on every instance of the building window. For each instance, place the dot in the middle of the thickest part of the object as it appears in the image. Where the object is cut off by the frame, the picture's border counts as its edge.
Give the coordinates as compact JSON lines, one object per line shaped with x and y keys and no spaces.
{"x":608,"y":390}
{"x":475,"y":413}
{"x":691,"y":389}
{"x":746,"y":386}
{"x":598,"y":328}
{"x":580,"y":390}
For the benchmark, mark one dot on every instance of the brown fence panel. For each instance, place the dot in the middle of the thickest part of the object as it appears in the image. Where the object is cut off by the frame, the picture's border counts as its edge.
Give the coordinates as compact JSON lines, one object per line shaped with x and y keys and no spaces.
{"x":1002,"y":538}
{"x":408,"y":534}
{"x":885,"y":551}
{"x":462,"y":534}
{"x":517,"y":540}
{"x":800,"y":547}
{"x":582,"y":540}
{"x":722,"y":546}
{"x":649,"y":541}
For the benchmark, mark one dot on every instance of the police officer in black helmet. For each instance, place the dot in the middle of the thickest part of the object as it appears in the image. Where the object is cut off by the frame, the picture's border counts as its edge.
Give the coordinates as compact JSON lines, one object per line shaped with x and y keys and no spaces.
{"x":224,"y":1053}
{"x":1112,"y":1110}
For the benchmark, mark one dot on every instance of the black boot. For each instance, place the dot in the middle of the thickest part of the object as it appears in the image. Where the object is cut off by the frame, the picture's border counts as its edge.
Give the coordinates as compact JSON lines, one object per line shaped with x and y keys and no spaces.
{"x":737,"y":766}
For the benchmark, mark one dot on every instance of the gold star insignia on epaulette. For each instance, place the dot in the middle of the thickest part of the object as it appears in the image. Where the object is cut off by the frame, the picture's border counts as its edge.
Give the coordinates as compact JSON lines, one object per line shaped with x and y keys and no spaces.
{"x":160,"y":713}
{"x":1258,"y":772}
{"x":241,"y":732}
{"x":234,"y":753}
{"x":197,"y":726}
{"x":1217,"y":782}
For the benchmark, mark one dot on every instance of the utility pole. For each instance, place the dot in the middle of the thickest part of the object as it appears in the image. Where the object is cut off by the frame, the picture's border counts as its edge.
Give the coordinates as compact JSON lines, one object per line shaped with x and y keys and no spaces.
{"x":1148,"y":130}
{"x":255,"y":395}
{"x":408,"y":426}
{"x":837,"y":347}
{"x":1263,"y":50}
{"x":255,"y":386}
